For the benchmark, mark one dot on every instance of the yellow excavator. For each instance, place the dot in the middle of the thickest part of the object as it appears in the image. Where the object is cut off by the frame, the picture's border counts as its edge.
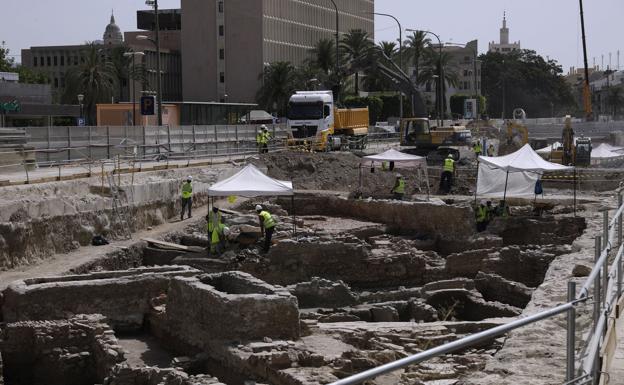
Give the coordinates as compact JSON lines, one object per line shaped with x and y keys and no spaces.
{"x":573,"y":152}
{"x":426,"y":140}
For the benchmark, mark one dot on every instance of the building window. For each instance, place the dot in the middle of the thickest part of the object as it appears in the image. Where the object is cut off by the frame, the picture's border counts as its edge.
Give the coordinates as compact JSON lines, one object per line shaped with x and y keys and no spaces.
{"x":49,"y":61}
{"x":221,"y":30}
{"x":75,"y":60}
{"x":55,"y":61}
{"x":222,"y":54}
{"x":63,"y":60}
{"x":41,"y":59}
{"x":56,"y":83}
{"x":222,"y":77}
{"x":34,"y":61}
{"x":220,"y":6}
{"x":465,"y":72}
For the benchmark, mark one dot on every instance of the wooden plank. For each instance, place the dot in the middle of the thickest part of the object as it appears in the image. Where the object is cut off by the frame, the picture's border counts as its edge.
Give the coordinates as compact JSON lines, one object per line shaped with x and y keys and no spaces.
{"x":165,"y":245}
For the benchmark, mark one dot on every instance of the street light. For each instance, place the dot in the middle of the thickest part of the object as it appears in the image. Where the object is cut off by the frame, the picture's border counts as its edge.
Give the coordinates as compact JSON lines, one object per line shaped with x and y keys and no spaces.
{"x":435,"y":78}
{"x":400,"y":52}
{"x":154,"y":3}
{"x":133,"y":54}
{"x":439,"y":98}
{"x":80,"y":100}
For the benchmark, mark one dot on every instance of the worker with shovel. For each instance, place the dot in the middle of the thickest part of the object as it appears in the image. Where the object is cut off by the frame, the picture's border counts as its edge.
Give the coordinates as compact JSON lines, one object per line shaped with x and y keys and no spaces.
{"x":267,"y":226}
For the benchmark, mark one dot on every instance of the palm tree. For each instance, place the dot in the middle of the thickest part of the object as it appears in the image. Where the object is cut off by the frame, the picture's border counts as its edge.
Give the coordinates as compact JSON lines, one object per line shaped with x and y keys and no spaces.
{"x":417,"y":44}
{"x":94,"y":78}
{"x":356,"y":49}
{"x":121,"y":65}
{"x":432,"y":61}
{"x":324,"y":55}
{"x":615,"y":99}
{"x":279,"y":81}
{"x":389,"y":48}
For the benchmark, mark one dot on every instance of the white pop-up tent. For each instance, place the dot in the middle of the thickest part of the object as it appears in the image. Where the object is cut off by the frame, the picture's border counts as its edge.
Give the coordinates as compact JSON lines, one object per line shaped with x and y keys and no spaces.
{"x":514,"y":174}
{"x":250,"y":183}
{"x":401,"y":160}
{"x":606,"y":153}
{"x":548,"y":149}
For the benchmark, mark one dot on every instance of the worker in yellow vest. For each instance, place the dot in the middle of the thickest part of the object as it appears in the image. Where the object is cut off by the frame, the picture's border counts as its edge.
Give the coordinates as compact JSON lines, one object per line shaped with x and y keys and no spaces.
{"x":481,"y":215}
{"x":187,"y":197}
{"x":267,"y":226}
{"x":446,"y":179}
{"x":215,"y":229}
{"x":478,"y":150}
{"x":399,"y":188}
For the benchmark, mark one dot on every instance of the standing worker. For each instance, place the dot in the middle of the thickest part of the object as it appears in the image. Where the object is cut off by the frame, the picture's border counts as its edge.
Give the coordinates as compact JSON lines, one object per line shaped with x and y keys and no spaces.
{"x":187,"y":197}
{"x":266,"y":138}
{"x":476,"y":147}
{"x":490,"y":150}
{"x":399,"y":188}
{"x":267,"y":226}
{"x":446,"y":180}
{"x":481,"y":215}
{"x":215,"y":228}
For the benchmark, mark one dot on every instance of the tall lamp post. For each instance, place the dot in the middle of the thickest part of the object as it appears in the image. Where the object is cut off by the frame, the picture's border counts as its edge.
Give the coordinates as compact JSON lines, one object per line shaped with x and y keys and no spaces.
{"x":80,"y":100}
{"x":131,"y":78}
{"x":440,"y":98}
{"x":400,"y":52}
{"x":337,"y":48}
{"x":156,"y":42}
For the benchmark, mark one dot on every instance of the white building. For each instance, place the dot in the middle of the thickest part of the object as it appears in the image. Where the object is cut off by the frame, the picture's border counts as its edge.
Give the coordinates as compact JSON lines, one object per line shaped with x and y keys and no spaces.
{"x":504,"y":46}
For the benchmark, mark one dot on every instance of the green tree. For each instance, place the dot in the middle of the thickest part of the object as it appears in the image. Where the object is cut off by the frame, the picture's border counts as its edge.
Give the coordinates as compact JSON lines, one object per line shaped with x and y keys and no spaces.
{"x":324,"y":55}
{"x":279,"y":81}
{"x":432,"y":62}
{"x":356,"y":47}
{"x":7,"y":63}
{"x":417,"y":44}
{"x":95,"y":79}
{"x":615,"y":99}
{"x":389,"y":48}
{"x":524,"y":79}
{"x":121,"y":67}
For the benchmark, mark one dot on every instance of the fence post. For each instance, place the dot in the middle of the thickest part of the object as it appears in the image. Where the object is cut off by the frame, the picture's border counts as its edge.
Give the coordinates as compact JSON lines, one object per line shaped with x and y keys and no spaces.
{"x":144,"y":144}
{"x":216,"y":138}
{"x":49,"y":129}
{"x":69,"y":143}
{"x":108,"y":149}
{"x":90,"y":144}
{"x":169,"y":140}
{"x":619,"y":221}
{"x":194,"y":143}
{"x":605,"y":228}
{"x":571,"y":330}
{"x":597,"y":249}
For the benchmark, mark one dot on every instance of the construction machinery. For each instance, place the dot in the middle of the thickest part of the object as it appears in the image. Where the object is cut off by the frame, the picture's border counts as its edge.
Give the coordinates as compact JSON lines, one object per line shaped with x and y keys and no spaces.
{"x":426,"y":140}
{"x":316,"y":123}
{"x":575,"y":152}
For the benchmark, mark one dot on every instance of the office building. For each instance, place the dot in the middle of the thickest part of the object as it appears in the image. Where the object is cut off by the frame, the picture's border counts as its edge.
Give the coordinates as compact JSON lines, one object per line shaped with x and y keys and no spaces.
{"x":226,"y":44}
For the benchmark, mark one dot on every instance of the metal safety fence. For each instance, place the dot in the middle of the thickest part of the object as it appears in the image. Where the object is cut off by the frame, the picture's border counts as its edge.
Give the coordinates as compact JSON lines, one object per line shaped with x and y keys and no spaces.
{"x":584,"y":358}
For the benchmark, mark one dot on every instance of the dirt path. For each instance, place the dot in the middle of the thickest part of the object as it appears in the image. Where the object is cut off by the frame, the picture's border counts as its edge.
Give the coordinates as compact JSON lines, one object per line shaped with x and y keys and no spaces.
{"x":60,"y":264}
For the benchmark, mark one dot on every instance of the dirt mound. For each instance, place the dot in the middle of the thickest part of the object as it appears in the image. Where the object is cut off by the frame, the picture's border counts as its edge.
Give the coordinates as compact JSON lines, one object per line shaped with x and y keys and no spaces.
{"x":337,"y":171}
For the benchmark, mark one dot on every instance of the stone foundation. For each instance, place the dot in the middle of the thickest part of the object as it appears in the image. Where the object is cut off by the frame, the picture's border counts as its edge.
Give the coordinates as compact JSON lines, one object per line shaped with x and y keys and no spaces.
{"x":78,"y":351}
{"x":229,"y":306}
{"x":122,"y":296}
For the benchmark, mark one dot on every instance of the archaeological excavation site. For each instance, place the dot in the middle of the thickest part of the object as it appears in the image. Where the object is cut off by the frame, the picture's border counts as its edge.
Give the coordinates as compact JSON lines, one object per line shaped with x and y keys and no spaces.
{"x":297,"y":269}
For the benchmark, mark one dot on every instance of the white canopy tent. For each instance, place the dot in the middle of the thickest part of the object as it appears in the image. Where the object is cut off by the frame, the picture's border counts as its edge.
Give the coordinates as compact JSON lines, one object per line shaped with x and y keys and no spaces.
{"x":401,"y":160}
{"x":515,"y":173}
{"x":250,"y":183}
{"x":548,"y":149}
{"x":606,"y":153}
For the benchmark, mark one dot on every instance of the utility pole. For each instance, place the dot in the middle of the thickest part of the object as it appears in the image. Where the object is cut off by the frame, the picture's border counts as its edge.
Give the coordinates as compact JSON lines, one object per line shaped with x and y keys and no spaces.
{"x":586,"y":95}
{"x":337,"y":51}
{"x":400,"y":56}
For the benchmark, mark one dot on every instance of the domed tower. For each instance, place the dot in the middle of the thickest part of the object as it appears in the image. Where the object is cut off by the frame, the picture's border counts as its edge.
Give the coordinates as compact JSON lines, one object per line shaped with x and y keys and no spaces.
{"x":112,"y":34}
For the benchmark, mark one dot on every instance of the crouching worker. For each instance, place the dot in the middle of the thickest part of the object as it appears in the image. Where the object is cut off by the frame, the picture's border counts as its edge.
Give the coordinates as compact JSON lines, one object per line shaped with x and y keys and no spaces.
{"x":216,"y":231}
{"x":267,"y":226}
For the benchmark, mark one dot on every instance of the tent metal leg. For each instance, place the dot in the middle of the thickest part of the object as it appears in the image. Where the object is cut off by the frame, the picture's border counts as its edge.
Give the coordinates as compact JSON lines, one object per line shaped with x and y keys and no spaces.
{"x":505,"y":193}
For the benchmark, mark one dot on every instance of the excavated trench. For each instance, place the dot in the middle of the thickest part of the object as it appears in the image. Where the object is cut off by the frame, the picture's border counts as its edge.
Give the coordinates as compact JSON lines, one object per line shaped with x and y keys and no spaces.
{"x":362,"y":282}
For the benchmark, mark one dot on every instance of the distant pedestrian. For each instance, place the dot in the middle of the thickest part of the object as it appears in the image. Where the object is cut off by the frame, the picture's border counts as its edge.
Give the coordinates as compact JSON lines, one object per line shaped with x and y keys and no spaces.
{"x":187,"y":197}
{"x":476,"y":147}
{"x":491,"y":150}
{"x":267,"y":226}
{"x":481,"y":216}
{"x":399,"y":188}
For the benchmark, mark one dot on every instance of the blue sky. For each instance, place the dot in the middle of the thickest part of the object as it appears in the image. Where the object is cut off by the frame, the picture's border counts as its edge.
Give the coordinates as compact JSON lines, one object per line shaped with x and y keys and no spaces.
{"x":551,"y":27}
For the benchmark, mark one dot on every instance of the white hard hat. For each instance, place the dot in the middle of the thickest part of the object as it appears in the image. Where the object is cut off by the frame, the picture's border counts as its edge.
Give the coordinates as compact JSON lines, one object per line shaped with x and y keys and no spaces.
{"x":226,"y":231}
{"x":264,"y":127}
{"x":258,"y":208}
{"x":399,"y":175}
{"x":449,"y":156}
{"x":189,"y":178}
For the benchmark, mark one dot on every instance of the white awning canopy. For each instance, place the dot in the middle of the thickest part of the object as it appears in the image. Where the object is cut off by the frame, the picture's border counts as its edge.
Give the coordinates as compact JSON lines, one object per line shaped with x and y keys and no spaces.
{"x":549,"y":149}
{"x":395,"y":156}
{"x":606,"y":151}
{"x":525,"y":159}
{"x":251,"y":182}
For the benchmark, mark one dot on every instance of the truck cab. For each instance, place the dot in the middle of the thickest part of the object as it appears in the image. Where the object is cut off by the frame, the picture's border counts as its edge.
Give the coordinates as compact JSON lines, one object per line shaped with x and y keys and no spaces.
{"x":311,"y":117}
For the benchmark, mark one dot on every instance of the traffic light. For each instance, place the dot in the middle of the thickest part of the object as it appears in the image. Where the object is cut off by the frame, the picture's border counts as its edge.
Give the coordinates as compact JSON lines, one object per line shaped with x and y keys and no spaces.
{"x":147,"y":105}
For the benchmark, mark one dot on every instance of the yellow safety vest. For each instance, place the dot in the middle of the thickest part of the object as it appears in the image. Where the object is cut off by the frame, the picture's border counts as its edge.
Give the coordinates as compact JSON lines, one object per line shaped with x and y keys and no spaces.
{"x":266,"y":137}
{"x":215,"y":234}
{"x":449,"y":165}
{"x":400,"y":188}
{"x":260,"y":138}
{"x":477,"y":148}
{"x":212,"y":220}
{"x":187,"y":190}
{"x":481,"y":214}
{"x":267,"y":219}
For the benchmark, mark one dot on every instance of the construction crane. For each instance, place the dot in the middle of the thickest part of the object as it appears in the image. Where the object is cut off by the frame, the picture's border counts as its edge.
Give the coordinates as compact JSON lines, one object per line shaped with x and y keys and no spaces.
{"x":586,"y":92}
